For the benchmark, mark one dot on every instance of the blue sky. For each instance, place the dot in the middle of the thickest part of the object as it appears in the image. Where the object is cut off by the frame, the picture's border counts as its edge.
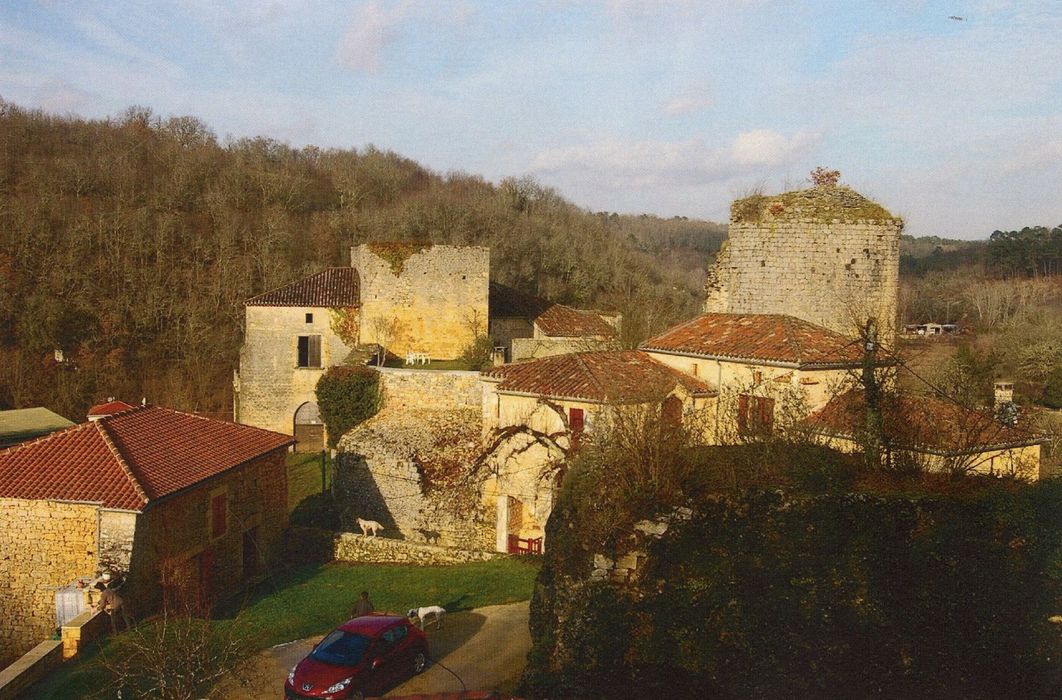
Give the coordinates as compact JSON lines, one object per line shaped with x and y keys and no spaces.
{"x":672,"y":108}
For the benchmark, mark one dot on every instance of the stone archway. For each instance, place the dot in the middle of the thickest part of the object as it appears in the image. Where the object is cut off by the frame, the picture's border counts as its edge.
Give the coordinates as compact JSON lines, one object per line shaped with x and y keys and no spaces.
{"x":309,"y":429}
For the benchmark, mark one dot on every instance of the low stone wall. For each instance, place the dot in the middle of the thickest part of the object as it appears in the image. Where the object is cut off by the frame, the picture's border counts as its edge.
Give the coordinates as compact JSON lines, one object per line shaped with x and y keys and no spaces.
{"x":382,"y":550}
{"x":30,"y":668}
{"x":86,"y":627}
{"x":532,"y":348}
{"x":430,"y":389}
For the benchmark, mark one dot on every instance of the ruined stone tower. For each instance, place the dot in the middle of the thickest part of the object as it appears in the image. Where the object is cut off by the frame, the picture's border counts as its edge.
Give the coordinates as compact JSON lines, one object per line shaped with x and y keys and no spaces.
{"x":825,"y":254}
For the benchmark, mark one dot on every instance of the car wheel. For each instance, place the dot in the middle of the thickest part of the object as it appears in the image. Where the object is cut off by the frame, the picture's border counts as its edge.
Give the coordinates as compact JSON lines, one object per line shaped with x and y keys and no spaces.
{"x":420,"y":662}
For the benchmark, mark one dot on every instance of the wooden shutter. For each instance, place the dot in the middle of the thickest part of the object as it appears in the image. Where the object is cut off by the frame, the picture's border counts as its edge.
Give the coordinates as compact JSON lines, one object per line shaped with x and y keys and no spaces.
{"x":315,"y":351}
{"x":743,"y":413}
{"x":576,"y":423}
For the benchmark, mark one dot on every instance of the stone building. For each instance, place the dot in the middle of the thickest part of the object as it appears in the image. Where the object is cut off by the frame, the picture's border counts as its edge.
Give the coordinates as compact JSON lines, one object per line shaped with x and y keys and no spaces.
{"x":175,"y":503}
{"x":291,"y":335}
{"x":526,"y":326}
{"x":826,"y":254}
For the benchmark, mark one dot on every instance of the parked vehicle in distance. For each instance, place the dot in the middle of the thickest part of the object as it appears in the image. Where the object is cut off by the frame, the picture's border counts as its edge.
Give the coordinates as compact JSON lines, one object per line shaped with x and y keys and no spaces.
{"x":365,"y":656}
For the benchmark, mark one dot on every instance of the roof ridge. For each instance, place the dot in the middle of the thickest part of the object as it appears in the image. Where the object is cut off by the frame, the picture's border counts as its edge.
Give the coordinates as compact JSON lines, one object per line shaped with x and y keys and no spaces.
{"x":791,"y":339}
{"x":126,"y":468}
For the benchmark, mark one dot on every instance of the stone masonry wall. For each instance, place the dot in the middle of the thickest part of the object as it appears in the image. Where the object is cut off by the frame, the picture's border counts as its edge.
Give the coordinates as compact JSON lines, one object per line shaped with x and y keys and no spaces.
{"x":174,"y":535}
{"x":434,"y":302}
{"x":271,"y":386}
{"x":384,"y":550}
{"x":832,"y":273}
{"x":43,"y":545}
{"x":430,"y":389}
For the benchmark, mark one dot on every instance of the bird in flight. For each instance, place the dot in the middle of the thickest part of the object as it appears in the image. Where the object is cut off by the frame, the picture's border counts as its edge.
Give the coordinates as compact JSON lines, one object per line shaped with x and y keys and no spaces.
{"x":957,"y":18}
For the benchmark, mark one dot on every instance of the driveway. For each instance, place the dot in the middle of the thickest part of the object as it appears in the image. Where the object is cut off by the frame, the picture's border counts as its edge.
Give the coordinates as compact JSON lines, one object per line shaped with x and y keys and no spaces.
{"x":485,"y":649}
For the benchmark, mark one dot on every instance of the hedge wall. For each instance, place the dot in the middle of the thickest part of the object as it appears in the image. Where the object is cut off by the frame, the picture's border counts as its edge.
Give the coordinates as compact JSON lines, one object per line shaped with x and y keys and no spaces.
{"x":769,"y":594}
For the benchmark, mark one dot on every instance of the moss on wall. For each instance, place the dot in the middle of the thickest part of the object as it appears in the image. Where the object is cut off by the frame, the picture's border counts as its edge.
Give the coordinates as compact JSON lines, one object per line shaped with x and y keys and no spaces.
{"x":817,"y":203}
{"x":396,"y":253}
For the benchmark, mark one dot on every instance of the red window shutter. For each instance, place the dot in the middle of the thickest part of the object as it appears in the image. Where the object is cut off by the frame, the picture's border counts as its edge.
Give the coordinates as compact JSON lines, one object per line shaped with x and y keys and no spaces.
{"x":217,"y":515}
{"x":743,"y":413}
{"x":576,"y":422}
{"x":766,"y":414}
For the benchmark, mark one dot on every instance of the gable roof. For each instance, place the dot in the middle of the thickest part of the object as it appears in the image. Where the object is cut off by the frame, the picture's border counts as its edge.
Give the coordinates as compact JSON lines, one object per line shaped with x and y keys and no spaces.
{"x":21,"y":424}
{"x":921,"y":423}
{"x":332,"y":288}
{"x":129,"y":459}
{"x":106,"y":409}
{"x":768,"y":338}
{"x":623,"y":376}
{"x":559,"y":321}
{"x":555,"y":320}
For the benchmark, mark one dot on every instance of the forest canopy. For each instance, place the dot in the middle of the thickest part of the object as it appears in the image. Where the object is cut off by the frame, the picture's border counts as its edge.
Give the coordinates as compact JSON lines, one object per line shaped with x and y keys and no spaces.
{"x":128,"y":244}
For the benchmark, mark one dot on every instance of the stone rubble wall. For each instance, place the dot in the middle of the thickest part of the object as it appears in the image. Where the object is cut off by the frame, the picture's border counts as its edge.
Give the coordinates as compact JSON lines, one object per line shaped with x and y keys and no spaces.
{"x":437,"y":301}
{"x":44,"y":545}
{"x":31,"y":667}
{"x":356,"y":547}
{"x":430,"y":389}
{"x":832,"y":273}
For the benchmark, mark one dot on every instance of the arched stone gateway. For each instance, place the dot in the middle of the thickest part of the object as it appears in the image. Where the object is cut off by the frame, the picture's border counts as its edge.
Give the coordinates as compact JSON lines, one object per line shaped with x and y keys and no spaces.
{"x":309,"y":429}
{"x":523,"y":467}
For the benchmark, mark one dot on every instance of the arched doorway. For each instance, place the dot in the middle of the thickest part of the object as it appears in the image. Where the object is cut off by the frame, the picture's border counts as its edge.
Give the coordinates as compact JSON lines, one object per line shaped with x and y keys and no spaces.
{"x":309,"y":430}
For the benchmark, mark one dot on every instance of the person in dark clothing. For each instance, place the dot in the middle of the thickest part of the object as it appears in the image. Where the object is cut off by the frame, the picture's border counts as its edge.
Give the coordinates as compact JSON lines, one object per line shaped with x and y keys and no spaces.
{"x":363,"y":606}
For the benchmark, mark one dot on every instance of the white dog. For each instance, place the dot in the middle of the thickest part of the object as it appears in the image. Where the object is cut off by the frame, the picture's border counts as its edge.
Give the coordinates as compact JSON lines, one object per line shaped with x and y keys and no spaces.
{"x":422,"y":614}
{"x":369,"y":526}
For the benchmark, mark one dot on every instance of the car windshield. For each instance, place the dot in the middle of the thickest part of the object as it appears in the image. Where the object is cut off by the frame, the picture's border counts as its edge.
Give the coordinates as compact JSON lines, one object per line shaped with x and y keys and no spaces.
{"x":341,"y":648}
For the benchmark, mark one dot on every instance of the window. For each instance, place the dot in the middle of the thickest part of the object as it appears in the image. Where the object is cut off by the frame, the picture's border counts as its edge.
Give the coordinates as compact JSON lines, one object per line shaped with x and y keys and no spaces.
{"x":695,"y":370}
{"x":757,"y":377}
{"x":218,"y":514}
{"x":309,"y":354}
{"x":309,"y":318}
{"x":576,"y":422}
{"x":755,"y":414}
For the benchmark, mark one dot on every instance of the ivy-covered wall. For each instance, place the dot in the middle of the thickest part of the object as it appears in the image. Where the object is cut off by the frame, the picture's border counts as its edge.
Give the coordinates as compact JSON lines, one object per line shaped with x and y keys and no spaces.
{"x":769,"y":594}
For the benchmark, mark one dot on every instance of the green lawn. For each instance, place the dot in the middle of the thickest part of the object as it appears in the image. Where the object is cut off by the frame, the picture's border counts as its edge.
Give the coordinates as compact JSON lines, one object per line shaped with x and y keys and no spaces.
{"x":304,"y":476}
{"x":313,"y":600}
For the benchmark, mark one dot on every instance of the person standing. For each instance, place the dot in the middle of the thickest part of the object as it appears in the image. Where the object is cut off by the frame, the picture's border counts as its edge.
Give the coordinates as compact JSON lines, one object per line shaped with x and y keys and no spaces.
{"x":363,"y":606}
{"x":113,"y":605}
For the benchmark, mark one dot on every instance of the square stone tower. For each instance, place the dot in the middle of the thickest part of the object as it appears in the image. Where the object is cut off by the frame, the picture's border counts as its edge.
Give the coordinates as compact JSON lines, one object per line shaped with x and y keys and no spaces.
{"x":826,"y":254}
{"x":422,"y":297}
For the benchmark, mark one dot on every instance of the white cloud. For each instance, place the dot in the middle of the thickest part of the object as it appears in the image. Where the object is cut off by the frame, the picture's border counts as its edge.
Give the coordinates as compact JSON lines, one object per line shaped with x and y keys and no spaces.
{"x":373,"y":26}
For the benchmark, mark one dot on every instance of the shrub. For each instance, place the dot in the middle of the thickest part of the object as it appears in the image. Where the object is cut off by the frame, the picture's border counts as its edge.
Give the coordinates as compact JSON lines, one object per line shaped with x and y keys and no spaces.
{"x":347,"y":395}
{"x":1053,"y":389}
{"x":479,"y":353}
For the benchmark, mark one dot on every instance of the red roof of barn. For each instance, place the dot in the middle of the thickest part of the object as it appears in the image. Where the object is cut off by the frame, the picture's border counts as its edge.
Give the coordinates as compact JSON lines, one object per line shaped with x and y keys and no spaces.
{"x":106,"y":409}
{"x":921,"y":422}
{"x":608,"y":375}
{"x":129,"y":459}
{"x":758,"y":337}
{"x":332,"y":288}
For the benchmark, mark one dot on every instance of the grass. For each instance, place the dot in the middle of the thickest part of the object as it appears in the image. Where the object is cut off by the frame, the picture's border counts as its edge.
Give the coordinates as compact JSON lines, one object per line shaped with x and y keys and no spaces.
{"x":313,"y":600}
{"x":304,"y":476}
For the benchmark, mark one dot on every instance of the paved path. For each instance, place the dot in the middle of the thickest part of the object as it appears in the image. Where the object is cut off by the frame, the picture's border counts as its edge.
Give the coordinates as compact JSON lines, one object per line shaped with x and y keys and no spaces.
{"x":487,"y":648}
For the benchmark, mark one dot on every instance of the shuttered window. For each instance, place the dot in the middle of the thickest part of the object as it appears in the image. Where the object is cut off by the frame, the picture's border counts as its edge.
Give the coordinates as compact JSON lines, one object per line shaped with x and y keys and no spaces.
{"x":309,"y":353}
{"x":755,"y":414}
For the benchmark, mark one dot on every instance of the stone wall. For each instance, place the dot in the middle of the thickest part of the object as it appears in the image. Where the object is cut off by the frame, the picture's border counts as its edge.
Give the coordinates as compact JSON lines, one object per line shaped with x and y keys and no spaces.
{"x":833,"y":273}
{"x":433,"y":300}
{"x":174,"y":539}
{"x":529,"y":348}
{"x":270,"y":386}
{"x":430,"y":389}
{"x":45,"y":545}
{"x":34,"y":665}
{"x":384,"y":550}
{"x":400,"y":468}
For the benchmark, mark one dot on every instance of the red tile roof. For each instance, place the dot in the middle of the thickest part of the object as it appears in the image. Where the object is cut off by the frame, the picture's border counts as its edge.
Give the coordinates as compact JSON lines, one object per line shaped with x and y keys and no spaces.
{"x":922,"y":423}
{"x":559,"y":321}
{"x":758,"y":337}
{"x":555,"y":320}
{"x":622,"y":376}
{"x":332,"y":288}
{"x":106,"y":409}
{"x":128,"y":459}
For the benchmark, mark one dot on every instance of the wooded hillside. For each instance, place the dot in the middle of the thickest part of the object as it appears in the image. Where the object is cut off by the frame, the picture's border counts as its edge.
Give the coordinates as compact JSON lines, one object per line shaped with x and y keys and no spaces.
{"x":128,"y":244}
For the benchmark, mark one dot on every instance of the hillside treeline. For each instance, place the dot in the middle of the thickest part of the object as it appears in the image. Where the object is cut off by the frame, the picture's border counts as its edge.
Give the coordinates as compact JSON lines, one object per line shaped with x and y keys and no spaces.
{"x":128,"y":244}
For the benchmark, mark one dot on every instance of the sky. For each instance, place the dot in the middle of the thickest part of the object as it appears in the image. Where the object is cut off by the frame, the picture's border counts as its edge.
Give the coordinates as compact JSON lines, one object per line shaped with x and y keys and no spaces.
{"x":947,"y":113}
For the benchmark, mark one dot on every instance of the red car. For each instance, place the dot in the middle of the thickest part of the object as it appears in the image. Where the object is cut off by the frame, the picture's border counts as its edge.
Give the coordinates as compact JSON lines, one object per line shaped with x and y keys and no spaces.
{"x":365,"y":656}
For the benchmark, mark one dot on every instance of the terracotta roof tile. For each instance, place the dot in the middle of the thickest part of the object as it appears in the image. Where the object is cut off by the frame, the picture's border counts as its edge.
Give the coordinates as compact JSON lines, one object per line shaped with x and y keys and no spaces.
{"x":559,"y":321}
{"x":921,"y":422}
{"x":106,"y":409}
{"x":763,"y":337}
{"x":128,"y":459}
{"x":332,"y":288}
{"x":622,"y":376}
